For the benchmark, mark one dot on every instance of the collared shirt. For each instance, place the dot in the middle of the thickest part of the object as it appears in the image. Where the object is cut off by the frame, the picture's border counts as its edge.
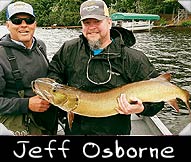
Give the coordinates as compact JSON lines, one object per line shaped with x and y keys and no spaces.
{"x":22,"y":44}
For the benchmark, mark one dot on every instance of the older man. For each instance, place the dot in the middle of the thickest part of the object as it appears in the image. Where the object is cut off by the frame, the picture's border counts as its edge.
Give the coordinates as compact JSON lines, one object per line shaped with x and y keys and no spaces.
{"x":23,"y":59}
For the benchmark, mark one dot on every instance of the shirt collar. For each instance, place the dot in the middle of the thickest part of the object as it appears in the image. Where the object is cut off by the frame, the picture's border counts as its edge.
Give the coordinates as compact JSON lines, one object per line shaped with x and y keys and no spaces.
{"x":21,"y":43}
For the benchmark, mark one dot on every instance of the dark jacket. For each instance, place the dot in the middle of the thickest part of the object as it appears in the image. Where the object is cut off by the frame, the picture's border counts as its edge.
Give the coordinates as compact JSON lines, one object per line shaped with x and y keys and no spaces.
{"x":32,"y":64}
{"x":74,"y":63}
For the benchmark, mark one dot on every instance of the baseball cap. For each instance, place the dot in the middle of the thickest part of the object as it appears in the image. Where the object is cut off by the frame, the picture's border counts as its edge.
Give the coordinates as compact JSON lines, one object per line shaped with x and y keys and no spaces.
{"x":96,"y":9}
{"x":19,"y":7}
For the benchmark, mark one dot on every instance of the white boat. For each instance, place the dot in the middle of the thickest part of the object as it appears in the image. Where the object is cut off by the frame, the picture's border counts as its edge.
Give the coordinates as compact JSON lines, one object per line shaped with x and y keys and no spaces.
{"x":145,"y":125}
{"x":138,"y":25}
{"x":141,"y":126}
{"x":134,"y":21}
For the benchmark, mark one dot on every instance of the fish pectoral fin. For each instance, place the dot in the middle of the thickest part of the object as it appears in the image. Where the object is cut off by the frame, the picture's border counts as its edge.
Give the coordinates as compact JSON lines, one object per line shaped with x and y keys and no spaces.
{"x":173,"y":103}
{"x":70,"y":116}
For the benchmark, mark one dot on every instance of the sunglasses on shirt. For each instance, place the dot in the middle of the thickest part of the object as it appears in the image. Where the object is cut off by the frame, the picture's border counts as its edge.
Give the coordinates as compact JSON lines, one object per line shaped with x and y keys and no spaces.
{"x":18,"y":21}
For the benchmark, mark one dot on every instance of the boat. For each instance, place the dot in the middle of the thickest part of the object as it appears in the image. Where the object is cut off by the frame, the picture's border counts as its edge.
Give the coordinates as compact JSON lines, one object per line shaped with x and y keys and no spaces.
{"x":148,"y":125}
{"x":134,"y":21}
{"x":141,"y":126}
{"x":186,"y":131}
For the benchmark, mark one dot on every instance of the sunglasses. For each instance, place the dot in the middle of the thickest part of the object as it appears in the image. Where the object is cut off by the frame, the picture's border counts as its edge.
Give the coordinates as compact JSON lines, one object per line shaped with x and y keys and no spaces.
{"x":108,"y":71}
{"x":18,"y":21}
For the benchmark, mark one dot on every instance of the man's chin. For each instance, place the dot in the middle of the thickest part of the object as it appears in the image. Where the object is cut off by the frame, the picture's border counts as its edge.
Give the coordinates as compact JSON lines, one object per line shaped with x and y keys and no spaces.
{"x":93,"y":39}
{"x":94,"y":44}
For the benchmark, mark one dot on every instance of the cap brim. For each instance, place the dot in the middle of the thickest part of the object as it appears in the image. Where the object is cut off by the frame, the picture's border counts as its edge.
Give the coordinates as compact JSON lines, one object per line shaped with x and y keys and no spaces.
{"x":19,"y":12}
{"x":98,"y":17}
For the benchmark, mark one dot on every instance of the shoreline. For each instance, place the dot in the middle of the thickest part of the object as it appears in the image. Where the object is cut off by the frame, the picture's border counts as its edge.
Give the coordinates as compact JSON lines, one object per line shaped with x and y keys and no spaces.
{"x":62,"y":27}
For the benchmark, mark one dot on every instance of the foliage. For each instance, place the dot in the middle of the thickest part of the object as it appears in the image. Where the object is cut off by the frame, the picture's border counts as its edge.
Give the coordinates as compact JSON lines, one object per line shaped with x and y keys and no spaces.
{"x":186,"y":23}
{"x":163,"y":22}
{"x":66,"y":13}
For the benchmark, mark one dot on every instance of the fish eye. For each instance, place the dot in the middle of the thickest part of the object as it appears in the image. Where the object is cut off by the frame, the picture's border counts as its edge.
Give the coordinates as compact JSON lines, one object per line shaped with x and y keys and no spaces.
{"x":54,"y":89}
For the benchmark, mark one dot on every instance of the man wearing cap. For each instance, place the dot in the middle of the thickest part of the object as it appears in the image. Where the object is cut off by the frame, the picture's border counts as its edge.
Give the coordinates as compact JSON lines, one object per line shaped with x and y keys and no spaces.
{"x":99,"y":60}
{"x":22,"y":60}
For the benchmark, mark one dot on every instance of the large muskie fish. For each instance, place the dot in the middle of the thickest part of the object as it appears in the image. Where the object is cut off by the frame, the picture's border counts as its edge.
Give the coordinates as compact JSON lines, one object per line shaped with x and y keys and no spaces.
{"x":103,"y":104}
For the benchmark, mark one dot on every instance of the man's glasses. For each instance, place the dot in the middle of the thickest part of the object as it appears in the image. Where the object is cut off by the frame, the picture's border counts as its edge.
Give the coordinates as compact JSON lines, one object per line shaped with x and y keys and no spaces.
{"x":18,"y":21}
{"x":109,"y":71}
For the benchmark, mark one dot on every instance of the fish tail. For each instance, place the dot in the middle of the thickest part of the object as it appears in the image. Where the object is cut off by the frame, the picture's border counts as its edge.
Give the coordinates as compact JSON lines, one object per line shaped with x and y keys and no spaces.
{"x":188,"y":106}
{"x":187,"y":100}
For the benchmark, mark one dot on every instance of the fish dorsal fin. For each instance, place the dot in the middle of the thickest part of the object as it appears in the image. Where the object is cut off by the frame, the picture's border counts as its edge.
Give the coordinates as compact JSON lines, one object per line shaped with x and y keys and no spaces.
{"x":165,"y":76}
{"x":173,"y":103}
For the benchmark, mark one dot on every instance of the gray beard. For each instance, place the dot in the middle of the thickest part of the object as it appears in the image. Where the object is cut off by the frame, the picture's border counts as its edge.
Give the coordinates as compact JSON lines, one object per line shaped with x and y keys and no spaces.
{"x":94,"y":44}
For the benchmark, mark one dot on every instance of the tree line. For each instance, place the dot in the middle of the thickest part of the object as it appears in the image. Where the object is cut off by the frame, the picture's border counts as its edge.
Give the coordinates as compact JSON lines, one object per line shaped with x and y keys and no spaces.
{"x":66,"y":12}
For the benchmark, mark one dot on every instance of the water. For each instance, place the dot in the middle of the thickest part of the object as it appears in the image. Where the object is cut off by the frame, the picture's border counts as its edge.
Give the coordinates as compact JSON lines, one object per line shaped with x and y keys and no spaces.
{"x":169,"y":49}
{"x":54,"y":38}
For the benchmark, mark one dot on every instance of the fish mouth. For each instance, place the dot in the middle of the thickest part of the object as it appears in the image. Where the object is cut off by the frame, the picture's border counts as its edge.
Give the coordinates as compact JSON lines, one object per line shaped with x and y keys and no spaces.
{"x":44,"y":87}
{"x":34,"y":86}
{"x":42,"y":93}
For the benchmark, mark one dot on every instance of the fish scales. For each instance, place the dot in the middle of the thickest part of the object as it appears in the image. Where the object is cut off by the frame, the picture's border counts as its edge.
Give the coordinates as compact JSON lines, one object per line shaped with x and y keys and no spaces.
{"x":104,"y":104}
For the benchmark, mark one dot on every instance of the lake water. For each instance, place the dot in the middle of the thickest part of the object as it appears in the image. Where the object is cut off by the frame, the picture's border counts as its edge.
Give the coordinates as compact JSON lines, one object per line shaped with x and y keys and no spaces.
{"x":169,"y":49}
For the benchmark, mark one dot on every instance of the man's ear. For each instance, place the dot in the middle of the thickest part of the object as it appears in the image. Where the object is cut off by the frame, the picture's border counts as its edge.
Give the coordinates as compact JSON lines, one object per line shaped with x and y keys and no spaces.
{"x":7,"y":24}
{"x":110,"y":23}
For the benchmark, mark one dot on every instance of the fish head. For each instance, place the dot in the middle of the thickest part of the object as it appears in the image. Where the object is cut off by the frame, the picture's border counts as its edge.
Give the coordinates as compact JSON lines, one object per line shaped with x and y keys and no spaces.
{"x":50,"y":91}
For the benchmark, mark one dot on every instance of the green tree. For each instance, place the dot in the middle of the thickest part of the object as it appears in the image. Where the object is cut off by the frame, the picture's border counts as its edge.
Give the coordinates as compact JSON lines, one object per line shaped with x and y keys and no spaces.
{"x":66,"y":12}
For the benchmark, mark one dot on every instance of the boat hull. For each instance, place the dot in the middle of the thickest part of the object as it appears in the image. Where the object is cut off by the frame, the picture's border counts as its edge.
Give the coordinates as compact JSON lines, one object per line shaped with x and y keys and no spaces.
{"x":145,"y":125}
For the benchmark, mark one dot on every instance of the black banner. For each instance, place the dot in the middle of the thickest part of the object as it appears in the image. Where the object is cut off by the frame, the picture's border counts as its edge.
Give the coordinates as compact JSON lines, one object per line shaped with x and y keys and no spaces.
{"x":88,"y":148}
